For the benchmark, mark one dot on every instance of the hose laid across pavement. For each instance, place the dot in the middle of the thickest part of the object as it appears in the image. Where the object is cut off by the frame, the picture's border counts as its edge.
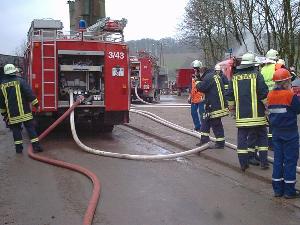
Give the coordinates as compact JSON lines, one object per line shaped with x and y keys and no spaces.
{"x":148,"y":104}
{"x":128,"y":156}
{"x":138,"y":97}
{"x":90,"y":211}
{"x":187,"y":131}
{"x":88,"y":218}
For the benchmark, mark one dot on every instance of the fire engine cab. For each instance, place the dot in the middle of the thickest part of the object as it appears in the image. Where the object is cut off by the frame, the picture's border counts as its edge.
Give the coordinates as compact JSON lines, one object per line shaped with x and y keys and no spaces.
{"x":92,"y":62}
{"x":144,"y":76}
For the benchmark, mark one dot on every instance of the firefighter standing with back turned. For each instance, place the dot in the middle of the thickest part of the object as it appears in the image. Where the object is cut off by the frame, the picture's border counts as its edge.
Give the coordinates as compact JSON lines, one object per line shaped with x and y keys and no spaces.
{"x":284,"y":106}
{"x":211,"y":84}
{"x":247,"y":96}
{"x":15,"y":97}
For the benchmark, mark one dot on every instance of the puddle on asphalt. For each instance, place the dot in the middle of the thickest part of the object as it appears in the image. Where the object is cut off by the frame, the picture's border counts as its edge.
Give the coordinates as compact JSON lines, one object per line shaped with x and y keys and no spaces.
{"x":144,"y":145}
{"x":150,"y":149}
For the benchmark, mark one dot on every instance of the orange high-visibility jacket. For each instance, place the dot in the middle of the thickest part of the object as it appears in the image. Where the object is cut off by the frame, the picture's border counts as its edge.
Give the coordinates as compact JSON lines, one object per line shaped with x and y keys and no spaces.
{"x":196,"y":96}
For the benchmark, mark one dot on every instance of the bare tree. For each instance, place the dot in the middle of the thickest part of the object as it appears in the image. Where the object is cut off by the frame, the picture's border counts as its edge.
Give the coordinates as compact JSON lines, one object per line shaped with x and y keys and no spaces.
{"x":20,"y":50}
{"x":214,"y":26}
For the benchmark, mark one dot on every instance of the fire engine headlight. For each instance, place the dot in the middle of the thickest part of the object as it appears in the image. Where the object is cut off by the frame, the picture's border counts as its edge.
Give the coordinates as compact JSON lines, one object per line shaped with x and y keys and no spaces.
{"x":79,"y":92}
{"x":75,"y":92}
{"x":85,"y":93}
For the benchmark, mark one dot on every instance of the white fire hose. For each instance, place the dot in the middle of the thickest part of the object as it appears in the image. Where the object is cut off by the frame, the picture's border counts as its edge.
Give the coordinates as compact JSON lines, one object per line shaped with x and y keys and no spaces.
{"x":148,"y":104}
{"x":187,"y":131}
{"x":127,"y":156}
{"x":152,"y":157}
{"x":138,"y":97}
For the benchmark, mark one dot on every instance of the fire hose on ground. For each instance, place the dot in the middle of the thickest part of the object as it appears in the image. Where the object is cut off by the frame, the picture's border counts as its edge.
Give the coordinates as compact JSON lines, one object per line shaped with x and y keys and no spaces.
{"x":187,"y":131}
{"x":90,"y":211}
{"x":138,"y":97}
{"x":127,"y":156}
{"x":96,"y":190}
{"x":152,"y":157}
{"x":89,"y":214}
{"x":175,"y":126}
{"x":148,"y":104}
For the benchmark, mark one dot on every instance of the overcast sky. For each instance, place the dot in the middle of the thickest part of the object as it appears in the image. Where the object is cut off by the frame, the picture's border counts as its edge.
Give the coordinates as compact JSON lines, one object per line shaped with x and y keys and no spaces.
{"x":146,"y":18}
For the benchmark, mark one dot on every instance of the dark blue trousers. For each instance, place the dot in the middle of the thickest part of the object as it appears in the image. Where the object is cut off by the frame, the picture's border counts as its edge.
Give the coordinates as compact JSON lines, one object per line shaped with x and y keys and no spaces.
{"x":197,"y":110}
{"x":252,"y":145}
{"x":286,"y":154}
{"x":217,"y":127}
{"x":244,"y":135}
{"x":17,"y":132}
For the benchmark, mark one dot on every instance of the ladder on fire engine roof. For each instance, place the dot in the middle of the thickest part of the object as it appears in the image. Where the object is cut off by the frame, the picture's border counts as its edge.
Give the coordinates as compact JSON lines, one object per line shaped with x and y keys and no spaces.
{"x":48,"y":59}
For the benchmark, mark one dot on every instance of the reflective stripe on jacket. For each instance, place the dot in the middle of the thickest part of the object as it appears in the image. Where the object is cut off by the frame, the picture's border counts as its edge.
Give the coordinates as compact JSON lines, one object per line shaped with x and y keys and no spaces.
{"x":225,"y":81}
{"x":212,"y":86}
{"x":196,"y":96}
{"x":248,"y":92}
{"x":15,"y":97}
{"x":284,"y":106}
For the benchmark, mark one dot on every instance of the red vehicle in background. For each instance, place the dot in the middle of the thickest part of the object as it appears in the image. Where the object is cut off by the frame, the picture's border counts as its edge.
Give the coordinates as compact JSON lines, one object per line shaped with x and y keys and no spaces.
{"x":183,"y":79}
{"x":184,"y":75}
{"x":92,"y":62}
{"x":144,"y":77}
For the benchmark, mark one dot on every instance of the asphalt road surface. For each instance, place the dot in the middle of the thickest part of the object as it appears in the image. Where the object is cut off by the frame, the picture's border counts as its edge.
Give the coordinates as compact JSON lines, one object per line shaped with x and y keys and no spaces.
{"x":193,"y":190}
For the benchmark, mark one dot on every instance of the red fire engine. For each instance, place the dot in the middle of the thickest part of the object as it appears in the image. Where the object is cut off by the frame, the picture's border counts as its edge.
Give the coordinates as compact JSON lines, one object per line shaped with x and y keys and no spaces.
{"x":92,"y":62}
{"x":183,"y":79}
{"x":144,"y":75}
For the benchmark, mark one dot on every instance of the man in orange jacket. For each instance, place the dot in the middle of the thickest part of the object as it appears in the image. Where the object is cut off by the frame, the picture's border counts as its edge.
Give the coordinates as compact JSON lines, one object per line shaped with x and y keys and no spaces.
{"x":196,"y":100}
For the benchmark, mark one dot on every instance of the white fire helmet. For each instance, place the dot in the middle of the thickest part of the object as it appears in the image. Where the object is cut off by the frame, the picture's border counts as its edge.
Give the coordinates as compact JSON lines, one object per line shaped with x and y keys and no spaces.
{"x":9,"y":69}
{"x":272,"y":54}
{"x":217,"y":67}
{"x":196,"y":64}
{"x":248,"y":58}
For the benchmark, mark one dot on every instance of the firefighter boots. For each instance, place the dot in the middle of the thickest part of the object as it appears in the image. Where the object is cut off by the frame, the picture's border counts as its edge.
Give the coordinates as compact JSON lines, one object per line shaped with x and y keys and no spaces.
{"x":19,"y":149}
{"x":244,"y":167}
{"x":253,"y":161}
{"x":296,"y":195}
{"x":37,"y":147}
{"x":264,"y":166}
{"x":219,"y":145}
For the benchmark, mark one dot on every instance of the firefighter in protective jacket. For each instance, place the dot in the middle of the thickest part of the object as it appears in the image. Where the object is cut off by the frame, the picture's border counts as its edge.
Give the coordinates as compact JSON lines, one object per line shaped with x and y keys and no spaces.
{"x":247,"y":96}
{"x":211,"y":84}
{"x":284,"y":106}
{"x":15,"y":99}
